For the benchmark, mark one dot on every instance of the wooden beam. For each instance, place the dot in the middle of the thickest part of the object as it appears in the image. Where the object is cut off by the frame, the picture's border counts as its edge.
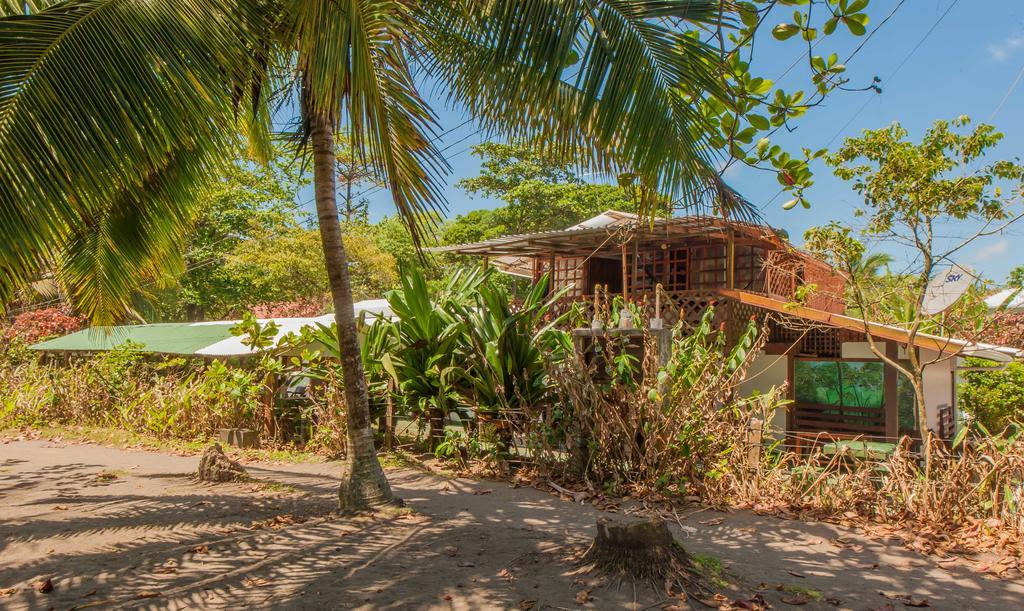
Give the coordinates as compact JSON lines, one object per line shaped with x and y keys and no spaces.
{"x":944,"y":345}
{"x":625,"y":272}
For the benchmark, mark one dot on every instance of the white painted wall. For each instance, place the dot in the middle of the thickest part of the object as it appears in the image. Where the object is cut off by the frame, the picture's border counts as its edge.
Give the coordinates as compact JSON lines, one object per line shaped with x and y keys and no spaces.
{"x":767,"y":371}
{"x":938,"y":386}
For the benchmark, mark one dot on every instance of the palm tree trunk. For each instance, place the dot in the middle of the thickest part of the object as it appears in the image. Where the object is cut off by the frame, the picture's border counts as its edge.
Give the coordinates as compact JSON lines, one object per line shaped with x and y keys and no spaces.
{"x":363,"y":483}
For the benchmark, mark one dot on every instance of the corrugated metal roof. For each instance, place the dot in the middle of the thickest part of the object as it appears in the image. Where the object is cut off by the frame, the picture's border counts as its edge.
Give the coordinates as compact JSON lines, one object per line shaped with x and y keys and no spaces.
{"x":166,"y":338}
{"x":211,"y":338}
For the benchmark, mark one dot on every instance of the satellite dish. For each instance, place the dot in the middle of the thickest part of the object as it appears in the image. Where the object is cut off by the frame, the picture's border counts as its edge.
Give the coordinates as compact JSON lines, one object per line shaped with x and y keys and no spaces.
{"x":946,"y":288}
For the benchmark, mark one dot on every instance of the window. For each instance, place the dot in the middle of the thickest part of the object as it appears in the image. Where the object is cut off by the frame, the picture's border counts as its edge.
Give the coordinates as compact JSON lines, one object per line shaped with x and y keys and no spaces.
{"x":907,"y":402}
{"x":839,"y":383}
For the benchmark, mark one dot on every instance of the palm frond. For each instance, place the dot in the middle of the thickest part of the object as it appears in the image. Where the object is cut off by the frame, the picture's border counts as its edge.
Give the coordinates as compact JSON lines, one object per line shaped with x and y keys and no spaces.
{"x":353,"y":61}
{"x":97,"y":97}
{"x":136,"y":238}
{"x":609,"y":83}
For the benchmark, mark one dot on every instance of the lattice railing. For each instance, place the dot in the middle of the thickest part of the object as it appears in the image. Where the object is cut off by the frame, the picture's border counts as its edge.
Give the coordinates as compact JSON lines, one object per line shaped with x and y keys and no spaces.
{"x":688,"y":304}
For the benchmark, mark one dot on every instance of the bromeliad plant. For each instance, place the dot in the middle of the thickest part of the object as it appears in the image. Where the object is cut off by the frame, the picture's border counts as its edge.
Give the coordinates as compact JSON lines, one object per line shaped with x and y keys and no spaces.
{"x":509,"y":349}
{"x":430,"y":334}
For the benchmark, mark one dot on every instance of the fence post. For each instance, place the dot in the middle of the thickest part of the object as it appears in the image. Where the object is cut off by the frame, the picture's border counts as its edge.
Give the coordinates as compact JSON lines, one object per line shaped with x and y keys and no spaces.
{"x":754,"y":428}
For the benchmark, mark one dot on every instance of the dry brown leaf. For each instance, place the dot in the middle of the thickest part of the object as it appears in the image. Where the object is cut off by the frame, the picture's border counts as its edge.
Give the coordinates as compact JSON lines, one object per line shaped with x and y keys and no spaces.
{"x":147,"y":594}
{"x":5,"y":592}
{"x":61,"y":508}
{"x":44,"y":586}
{"x":256,"y":582}
{"x":199,"y":549}
{"x":796,"y":599}
{"x":906,"y":599}
{"x":450,"y":550}
{"x":583,"y":596}
{"x":526,"y":604}
{"x":712,"y":521}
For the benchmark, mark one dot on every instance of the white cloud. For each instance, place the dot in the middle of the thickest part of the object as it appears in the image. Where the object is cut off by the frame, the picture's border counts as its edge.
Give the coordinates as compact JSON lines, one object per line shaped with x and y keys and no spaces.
{"x":991,"y":251}
{"x":1001,"y":51}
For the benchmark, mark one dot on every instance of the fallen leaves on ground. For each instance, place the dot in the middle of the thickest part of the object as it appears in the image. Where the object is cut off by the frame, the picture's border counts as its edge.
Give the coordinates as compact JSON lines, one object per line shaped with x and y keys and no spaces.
{"x":276,"y":522}
{"x":44,"y":586}
{"x":256,"y":582}
{"x":199,"y":549}
{"x":583,"y":596}
{"x":60,"y":508}
{"x":5,"y":592}
{"x":527,"y":603}
{"x":906,"y":599}
{"x":796,"y":599}
{"x":450,"y":550}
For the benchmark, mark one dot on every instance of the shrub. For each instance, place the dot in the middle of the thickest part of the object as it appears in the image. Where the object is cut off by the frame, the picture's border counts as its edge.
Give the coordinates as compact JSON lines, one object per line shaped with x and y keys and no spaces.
{"x":995,"y":399}
{"x":36,"y":325}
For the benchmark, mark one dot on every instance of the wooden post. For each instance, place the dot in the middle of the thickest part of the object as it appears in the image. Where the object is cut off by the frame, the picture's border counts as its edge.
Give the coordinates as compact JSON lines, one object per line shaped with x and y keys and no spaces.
{"x":389,"y":419}
{"x":625,"y":272}
{"x":892,"y":396}
{"x":636,"y":269}
{"x":730,"y":262}
{"x":486,"y":263}
{"x":754,"y":428}
{"x":790,"y":394}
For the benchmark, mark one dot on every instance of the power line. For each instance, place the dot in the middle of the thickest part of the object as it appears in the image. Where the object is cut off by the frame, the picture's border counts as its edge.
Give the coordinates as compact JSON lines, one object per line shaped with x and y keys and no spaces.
{"x":892,"y":76}
{"x":1009,"y":92}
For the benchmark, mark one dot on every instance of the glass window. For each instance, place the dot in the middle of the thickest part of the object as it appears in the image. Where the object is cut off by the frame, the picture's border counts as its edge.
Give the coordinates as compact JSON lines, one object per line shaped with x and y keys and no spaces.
{"x":907,"y":404}
{"x":840,"y":383}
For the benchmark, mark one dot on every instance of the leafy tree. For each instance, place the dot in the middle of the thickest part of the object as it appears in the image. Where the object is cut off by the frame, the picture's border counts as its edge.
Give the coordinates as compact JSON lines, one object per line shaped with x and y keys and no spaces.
{"x":539,"y":191}
{"x":289,"y":267}
{"x":112,"y":164}
{"x":910,"y":190}
{"x":994,"y":399}
{"x":1016,"y":277}
{"x":249,"y":205}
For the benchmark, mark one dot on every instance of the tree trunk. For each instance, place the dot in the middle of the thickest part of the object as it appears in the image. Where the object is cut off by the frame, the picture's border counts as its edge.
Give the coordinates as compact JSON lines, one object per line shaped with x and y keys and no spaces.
{"x":363,"y":482}
{"x":922,"y":424}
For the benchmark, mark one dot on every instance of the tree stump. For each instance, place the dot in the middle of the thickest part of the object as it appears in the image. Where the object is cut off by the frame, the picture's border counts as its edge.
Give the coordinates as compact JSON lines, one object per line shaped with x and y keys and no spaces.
{"x":215,"y":466}
{"x":644,"y":552}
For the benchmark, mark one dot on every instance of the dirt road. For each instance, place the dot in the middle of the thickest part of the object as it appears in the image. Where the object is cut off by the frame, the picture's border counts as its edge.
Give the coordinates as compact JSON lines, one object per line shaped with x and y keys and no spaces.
{"x":113,"y":528}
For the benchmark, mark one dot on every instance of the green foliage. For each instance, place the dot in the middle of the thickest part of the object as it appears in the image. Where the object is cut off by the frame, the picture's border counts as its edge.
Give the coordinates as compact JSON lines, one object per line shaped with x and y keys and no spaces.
{"x":910,"y":190}
{"x":427,"y":360}
{"x":540,"y":193}
{"x":1015,"y":279}
{"x":994,"y":399}
{"x":510,"y":348}
{"x":248,"y":205}
{"x":118,"y":163}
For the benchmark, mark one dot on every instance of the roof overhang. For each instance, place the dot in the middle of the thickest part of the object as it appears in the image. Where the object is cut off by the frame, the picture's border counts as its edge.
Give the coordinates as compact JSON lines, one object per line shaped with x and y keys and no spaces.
{"x":944,"y":345}
{"x":601,"y":232}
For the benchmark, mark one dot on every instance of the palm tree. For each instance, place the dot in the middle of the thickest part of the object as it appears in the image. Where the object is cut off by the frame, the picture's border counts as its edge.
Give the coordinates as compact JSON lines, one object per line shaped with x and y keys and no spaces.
{"x":115,"y":113}
{"x":871,"y":265}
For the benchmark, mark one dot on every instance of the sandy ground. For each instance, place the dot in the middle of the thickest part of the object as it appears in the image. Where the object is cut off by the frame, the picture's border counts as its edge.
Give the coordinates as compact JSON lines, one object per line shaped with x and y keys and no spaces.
{"x":128,"y":529}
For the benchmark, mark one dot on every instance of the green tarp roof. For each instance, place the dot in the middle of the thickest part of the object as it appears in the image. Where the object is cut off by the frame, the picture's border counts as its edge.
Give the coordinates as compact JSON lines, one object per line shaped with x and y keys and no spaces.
{"x":167,"y":338}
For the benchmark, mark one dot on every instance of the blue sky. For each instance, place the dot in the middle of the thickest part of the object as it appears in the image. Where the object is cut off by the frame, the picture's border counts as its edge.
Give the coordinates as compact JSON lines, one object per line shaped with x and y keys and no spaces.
{"x":966,"y":65}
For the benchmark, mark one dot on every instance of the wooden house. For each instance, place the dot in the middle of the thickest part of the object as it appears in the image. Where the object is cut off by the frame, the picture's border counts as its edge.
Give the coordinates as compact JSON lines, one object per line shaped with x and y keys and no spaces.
{"x":837,"y":385}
